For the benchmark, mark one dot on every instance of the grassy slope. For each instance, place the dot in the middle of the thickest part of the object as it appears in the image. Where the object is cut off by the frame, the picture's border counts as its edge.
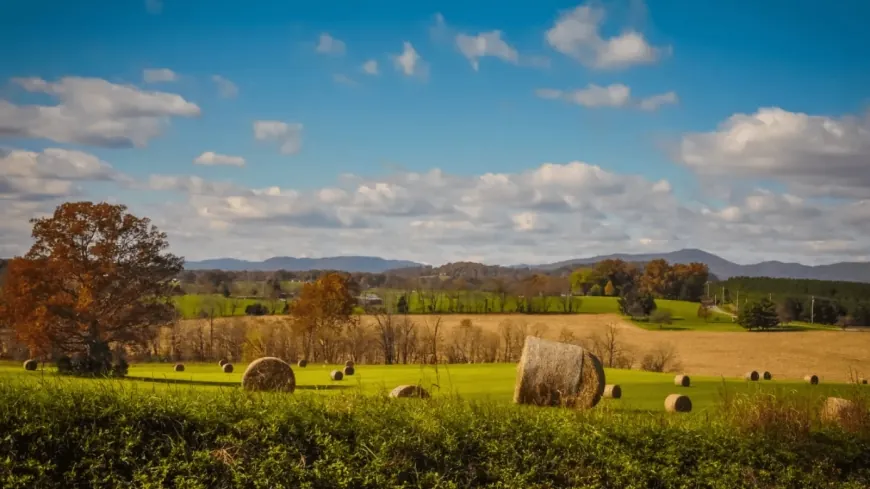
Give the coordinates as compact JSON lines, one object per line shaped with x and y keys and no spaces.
{"x":642,"y":391}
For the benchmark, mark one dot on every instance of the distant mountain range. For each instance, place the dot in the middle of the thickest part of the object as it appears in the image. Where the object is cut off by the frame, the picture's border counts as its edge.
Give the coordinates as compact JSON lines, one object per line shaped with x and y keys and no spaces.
{"x":723,"y":269}
{"x":369,"y":264}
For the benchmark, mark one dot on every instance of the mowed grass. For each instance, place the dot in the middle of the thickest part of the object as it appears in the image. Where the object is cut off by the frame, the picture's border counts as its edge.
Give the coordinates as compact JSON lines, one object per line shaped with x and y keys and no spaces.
{"x":685,"y":317}
{"x":642,"y":391}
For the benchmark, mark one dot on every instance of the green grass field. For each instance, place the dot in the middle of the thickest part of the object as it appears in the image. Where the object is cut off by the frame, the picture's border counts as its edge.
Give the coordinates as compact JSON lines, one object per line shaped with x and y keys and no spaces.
{"x":642,"y":391}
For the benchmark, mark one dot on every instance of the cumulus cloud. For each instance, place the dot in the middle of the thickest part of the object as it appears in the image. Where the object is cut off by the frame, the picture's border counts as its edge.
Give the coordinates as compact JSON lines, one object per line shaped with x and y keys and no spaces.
{"x":409,"y":62}
{"x":615,"y":95}
{"x":288,"y":136}
{"x":212,"y":158}
{"x":161,"y":75}
{"x":577,"y":33}
{"x":370,"y":67}
{"x":813,"y":154}
{"x":226,"y":88}
{"x":546,"y":213}
{"x":92,"y":112}
{"x":486,"y":44}
{"x":327,"y":44}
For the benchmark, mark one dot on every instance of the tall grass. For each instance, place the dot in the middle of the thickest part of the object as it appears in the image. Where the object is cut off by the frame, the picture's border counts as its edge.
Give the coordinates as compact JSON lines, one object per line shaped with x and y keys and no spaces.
{"x":58,"y":433}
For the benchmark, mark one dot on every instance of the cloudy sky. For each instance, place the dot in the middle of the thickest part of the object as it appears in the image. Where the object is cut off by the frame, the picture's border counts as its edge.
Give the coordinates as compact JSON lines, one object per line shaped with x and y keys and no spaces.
{"x":502,"y":132}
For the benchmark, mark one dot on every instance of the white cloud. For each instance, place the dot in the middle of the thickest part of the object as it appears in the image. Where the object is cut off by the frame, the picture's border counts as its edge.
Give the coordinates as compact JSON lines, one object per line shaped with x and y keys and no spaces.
{"x":92,"y":112}
{"x":226,"y":88}
{"x":655,"y":101}
{"x":327,"y":44}
{"x":289,"y":136}
{"x":370,"y":67}
{"x":409,"y":62}
{"x":813,"y":154}
{"x":576,"y":33}
{"x":615,"y":95}
{"x":343,"y":79}
{"x":486,"y":44}
{"x":159,"y":75}
{"x":554,"y":210}
{"x":211,"y":158}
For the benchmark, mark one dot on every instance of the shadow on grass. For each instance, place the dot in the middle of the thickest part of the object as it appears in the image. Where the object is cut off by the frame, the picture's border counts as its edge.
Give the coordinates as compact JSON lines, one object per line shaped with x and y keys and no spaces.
{"x":323,"y":387}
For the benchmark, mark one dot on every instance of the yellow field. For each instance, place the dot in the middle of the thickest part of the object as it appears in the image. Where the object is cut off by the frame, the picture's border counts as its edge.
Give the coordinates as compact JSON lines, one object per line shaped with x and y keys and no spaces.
{"x":832,"y":355}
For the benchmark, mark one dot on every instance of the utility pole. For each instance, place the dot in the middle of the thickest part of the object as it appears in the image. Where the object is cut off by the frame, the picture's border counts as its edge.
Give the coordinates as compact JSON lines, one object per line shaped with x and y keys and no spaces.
{"x":813,"y":310}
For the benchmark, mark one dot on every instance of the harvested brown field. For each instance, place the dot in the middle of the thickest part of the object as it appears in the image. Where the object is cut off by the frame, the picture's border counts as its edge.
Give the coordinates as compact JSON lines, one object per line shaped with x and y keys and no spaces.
{"x":831,"y":355}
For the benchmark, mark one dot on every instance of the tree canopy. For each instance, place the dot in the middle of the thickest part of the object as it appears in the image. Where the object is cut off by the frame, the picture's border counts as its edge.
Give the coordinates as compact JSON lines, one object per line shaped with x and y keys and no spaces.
{"x":95,"y":276}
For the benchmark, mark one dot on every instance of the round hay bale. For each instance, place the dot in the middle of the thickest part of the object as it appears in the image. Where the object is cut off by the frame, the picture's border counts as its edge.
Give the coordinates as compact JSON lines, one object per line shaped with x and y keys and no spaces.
{"x":349,"y":363}
{"x":336,"y":375}
{"x":348,"y":370}
{"x":31,"y":365}
{"x":862,"y":381}
{"x":558,"y":374}
{"x":269,"y":374}
{"x":613,"y":391}
{"x":227,"y":368}
{"x":179,"y":367}
{"x":678,"y":403}
{"x":682,"y":381}
{"x":842,"y":412}
{"x":751,"y":376}
{"x":409,"y":391}
{"x":812,"y":379}
{"x":302,"y":363}
{"x":767,"y":375}
{"x":223,"y":362}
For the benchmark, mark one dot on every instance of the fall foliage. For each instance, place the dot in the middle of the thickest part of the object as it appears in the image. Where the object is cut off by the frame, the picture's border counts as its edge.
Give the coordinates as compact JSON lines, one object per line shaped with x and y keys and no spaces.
{"x":96,"y":276}
{"x":323,"y":309}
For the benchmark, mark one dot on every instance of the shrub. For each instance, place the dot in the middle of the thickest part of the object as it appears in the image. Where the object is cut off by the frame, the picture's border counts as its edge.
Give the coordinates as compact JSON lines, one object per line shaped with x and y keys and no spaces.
{"x":661,"y":316}
{"x":256,"y":309}
{"x":662,"y":358}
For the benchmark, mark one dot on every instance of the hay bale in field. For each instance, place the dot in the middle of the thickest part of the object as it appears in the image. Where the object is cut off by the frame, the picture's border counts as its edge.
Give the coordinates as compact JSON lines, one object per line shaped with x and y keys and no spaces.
{"x":269,"y":374}
{"x":767,"y":375}
{"x":31,"y":365}
{"x":302,"y":363}
{"x":682,"y":381}
{"x":409,"y":391}
{"x":348,"y":370}
{"x":678,"y":403}
{"x":613,"y":391}
{"x":349,"y":363}
{"x":227,"y":368}
{"x":223,"y":362}
{"x":751,"y":376}
{"x":336,"y":375}
{"x":812,"y":379}
{"x":862,"y":381}
{"x":558,"y":374}
{"x":842,"y":412}
{"x":179,"y":367}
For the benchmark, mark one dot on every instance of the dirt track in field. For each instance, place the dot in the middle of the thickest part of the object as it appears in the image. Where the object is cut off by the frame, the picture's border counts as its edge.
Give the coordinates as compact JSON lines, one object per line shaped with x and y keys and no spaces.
{"x":831,"y":355}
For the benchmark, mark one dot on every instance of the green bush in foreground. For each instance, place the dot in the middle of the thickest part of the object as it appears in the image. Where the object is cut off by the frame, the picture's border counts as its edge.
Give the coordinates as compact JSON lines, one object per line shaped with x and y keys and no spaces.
{"x":111,"y":435}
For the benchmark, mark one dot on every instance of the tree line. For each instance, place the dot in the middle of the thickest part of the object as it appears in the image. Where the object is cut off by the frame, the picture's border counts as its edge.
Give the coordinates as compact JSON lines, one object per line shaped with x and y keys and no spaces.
{"x":817,"y":301}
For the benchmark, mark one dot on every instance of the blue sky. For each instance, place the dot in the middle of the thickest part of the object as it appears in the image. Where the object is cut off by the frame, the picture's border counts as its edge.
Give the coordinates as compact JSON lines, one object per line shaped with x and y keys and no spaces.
{"x":716,"y":59}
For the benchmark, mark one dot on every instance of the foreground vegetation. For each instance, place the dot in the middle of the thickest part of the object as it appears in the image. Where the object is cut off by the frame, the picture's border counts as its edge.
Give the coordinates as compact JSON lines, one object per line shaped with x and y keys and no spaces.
{"x":109,"y":434}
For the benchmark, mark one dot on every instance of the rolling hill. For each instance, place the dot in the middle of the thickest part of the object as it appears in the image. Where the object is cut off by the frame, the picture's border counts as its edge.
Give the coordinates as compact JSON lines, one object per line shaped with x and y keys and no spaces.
{"x":723,"y":269}
{"x":370,"y":264}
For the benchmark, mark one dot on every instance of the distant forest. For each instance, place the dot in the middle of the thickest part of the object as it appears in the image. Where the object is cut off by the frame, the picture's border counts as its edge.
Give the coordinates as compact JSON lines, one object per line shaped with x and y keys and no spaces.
{"x":835,"y":302}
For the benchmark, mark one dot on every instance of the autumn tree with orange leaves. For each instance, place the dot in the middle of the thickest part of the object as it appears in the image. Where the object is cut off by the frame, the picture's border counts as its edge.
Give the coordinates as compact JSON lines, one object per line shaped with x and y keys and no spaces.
{"x":95,"y":277}
{"x":324,"y":308}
